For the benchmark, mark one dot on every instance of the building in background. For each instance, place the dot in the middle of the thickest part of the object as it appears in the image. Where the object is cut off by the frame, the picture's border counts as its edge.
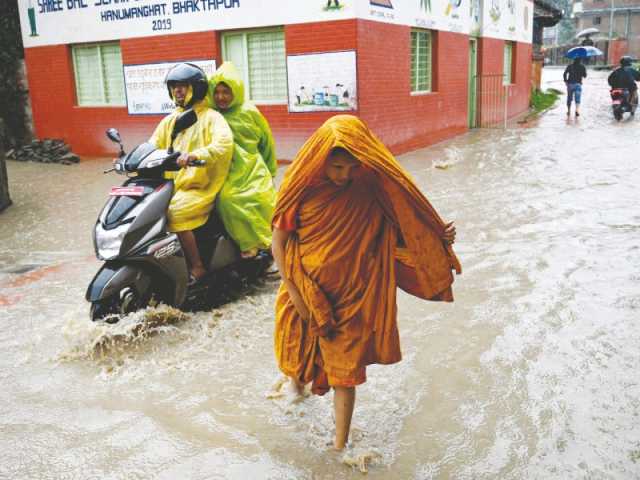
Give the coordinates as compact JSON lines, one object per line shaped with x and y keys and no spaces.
{"x":417,"y":71}
{"x":620,"y":36}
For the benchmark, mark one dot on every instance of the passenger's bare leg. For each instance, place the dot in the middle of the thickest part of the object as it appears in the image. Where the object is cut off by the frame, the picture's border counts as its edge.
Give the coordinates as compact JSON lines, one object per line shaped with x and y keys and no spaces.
{"x":188,"y":241}
{"x":344,"y":399}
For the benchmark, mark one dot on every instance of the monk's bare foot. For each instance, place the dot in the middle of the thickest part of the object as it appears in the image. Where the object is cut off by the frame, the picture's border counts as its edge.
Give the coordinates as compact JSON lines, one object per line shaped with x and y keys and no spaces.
{"x":288,"y":388}
{"x":360,"y":459}
{"x":296,"y":391}
{"x":277,"y":389}
{"x":338,"y":446}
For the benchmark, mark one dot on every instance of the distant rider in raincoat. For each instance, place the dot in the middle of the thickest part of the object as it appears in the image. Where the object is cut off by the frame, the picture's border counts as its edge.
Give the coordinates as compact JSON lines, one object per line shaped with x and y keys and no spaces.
{"x":248,"y":197}
{"x":209,"y":139}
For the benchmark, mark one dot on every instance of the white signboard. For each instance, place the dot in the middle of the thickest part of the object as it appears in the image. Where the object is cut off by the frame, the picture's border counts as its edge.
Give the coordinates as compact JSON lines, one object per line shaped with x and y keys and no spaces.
{"x":504,"y":19}
{"x":508,"y":20}
{"x":525,"y":21}
{"x":50,"y":22}
{"x":322,"y":82}
{"x":145,"y":88}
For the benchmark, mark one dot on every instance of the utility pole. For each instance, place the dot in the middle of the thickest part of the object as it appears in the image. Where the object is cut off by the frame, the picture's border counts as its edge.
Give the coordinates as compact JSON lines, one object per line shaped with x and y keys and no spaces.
{"x":611,"y":22}
{"x":610,"y":32}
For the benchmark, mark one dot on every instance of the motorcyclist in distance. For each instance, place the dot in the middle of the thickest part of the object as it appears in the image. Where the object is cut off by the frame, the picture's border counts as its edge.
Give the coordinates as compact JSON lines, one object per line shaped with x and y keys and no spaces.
{"x":625,"y":76}
{"x":209,"y":139}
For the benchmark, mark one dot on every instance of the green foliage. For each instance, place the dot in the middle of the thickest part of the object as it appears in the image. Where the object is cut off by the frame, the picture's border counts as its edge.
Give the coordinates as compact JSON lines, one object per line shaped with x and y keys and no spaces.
{"x":541,"y":101}
{"x":13,"y":95}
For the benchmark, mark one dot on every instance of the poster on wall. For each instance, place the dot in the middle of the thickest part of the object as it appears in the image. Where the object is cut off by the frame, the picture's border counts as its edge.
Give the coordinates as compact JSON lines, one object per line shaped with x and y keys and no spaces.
{"x":145,"y":88}
{"x":447,"y":15}
{"x":525,"y":19}
{"x":476,"y":17}
{"x":322,"y":82}
{"x":508,"y":20}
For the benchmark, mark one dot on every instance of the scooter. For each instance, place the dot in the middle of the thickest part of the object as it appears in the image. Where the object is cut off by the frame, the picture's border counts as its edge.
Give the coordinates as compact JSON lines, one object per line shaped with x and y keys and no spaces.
{"x":143,"y":260}
{"x":620,"y":103}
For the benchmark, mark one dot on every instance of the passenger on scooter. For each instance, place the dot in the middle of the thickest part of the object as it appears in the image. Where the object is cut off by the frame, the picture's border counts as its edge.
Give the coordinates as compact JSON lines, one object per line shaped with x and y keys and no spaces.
{"x":247,"y":199}
{"x":209,"y":139}
{"x":625,"y":77}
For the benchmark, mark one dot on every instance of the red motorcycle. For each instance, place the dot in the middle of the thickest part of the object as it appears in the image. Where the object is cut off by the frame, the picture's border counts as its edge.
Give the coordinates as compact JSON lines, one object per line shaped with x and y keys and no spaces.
{"x":621,"y":102}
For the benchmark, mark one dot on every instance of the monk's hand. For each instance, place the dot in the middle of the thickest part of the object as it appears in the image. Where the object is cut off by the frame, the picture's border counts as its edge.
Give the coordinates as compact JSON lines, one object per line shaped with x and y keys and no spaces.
{"x":185,"y":158}
{"x":301,"y":307}
{"x":449,"y":233}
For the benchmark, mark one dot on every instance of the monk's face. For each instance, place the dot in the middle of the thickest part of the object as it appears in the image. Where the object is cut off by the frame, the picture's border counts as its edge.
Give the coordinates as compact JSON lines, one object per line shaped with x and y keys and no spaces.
{"x":340,"y":167}
{"x":223,"y":96}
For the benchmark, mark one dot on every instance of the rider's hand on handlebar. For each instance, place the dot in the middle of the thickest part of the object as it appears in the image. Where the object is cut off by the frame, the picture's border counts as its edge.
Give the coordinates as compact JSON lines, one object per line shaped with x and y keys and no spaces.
{"x":185,"y":158}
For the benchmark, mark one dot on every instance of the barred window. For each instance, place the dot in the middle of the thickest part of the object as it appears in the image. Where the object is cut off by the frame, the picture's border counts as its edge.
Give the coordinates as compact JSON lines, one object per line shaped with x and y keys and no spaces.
{"x":98,"y":74}
{"x":261,"y":59}
{"x":421,"y":61}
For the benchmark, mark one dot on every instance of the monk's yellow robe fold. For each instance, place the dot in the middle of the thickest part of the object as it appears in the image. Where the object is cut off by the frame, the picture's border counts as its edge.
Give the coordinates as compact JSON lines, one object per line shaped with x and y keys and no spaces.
{"x":351,"y":248}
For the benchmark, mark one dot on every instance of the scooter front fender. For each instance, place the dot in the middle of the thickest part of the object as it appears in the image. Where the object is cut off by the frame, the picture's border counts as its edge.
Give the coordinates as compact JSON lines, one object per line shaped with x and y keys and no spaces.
{"x":113,"y":277}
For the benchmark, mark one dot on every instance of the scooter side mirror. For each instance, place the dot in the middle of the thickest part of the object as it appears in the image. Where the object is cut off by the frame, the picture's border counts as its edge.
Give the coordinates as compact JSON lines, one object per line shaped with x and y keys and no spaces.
{"x":114,"y":135}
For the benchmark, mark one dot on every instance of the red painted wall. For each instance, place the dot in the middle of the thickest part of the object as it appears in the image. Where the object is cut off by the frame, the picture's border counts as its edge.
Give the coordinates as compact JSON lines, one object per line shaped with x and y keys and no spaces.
{"x":490,"y":89}
{"x":403,"y":121}
{"x":53,"y":99}
{"x":617,"y":48}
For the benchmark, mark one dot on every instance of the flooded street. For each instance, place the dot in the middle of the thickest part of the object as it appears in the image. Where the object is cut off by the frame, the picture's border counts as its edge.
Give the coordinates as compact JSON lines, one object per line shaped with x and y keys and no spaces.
{"x":533,"y":373}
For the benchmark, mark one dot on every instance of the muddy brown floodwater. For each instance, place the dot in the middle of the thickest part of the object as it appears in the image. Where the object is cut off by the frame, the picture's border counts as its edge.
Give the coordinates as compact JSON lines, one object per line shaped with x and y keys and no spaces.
{"x":533,"y":373}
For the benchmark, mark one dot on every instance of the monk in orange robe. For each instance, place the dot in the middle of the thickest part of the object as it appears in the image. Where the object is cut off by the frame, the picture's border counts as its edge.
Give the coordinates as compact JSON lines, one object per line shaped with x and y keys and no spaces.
{"x":350,"y":226}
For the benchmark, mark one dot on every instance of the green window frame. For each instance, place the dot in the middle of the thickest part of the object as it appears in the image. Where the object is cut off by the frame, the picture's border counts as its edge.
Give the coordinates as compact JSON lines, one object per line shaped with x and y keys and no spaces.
{"x":260,"y":57}
{"x":507,"y":65}
{"x":98,"y":74}
{"x":421,"y":61}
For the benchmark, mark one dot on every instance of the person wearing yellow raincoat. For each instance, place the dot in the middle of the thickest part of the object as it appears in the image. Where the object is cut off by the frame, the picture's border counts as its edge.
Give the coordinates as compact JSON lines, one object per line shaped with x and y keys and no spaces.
{"x":209,"y":139}
{"x":350,"y":226}
{"x":248,"y":197}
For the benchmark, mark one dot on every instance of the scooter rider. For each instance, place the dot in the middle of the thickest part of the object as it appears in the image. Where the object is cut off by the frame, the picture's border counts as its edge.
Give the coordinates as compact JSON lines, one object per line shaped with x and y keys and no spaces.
{"x":209,"y":139}
{"x":625,"y":76}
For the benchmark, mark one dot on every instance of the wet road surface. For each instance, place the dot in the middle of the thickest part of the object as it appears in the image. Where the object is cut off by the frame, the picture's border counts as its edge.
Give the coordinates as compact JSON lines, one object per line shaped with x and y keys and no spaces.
{"x":532,"y":373}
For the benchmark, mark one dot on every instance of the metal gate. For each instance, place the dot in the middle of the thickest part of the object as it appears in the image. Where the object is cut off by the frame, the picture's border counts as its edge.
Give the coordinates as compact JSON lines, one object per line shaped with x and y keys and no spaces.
{"x":492,"y":101}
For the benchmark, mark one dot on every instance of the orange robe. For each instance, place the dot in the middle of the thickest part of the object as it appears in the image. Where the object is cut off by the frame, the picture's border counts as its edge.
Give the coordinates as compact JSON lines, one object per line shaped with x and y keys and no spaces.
{"x":351,"y":248}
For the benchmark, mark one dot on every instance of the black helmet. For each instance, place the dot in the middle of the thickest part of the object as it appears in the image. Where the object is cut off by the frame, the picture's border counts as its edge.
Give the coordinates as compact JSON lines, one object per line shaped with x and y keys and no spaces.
{"x":626,"y":60}
{"x":191,"y":74}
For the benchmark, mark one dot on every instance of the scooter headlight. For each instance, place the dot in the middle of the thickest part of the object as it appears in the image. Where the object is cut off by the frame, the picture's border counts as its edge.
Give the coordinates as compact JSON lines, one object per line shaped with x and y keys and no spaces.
{"x":108,"y":242}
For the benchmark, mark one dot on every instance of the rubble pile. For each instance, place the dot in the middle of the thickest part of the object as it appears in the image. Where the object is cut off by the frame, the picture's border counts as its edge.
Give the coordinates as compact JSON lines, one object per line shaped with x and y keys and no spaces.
{"x":44,"y":151}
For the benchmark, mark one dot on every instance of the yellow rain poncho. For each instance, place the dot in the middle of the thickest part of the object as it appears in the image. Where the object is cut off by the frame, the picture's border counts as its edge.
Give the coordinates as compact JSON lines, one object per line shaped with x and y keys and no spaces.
{"x":248,"y":197}
{"x":195,"y":188}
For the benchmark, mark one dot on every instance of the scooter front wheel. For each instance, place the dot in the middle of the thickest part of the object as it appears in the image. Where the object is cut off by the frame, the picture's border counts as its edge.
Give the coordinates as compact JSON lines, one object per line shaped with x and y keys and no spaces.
{"x":111,"y":309}
{"x":106,"y":309}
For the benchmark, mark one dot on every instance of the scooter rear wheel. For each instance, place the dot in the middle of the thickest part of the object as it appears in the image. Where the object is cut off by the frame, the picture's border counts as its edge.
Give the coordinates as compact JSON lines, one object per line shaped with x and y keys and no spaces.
{"x":617,"y":114}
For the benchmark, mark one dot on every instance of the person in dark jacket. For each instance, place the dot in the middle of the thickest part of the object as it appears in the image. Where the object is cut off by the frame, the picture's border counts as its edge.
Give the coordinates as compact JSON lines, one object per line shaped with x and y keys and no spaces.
{"x":625,"y":76}
{"x":573,"y":75}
